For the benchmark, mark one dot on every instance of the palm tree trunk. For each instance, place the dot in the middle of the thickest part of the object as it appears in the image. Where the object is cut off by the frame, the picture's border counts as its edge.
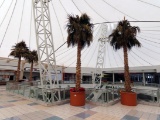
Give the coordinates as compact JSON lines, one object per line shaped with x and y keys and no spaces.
{"x":18,"y":69}
{"x":30,"y":75}
{"x":126,"y":70}
{"x":78,"y":67}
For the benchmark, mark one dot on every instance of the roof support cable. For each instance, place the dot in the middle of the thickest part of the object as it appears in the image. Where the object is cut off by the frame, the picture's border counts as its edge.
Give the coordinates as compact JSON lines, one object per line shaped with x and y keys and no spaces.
{"x":123,"y":60}
{"x":92,"y":54}
{"x":149,"y":37}
{"x":63,"y":7}
{"x":136,"y":59}
{"x":76,"y":59}
{"x":30,"y":27}
{"x":58,"y":21}
{"x":118,"y":10}
{"x":76,"y":7}
{"x":148,"y":55}
{"x":89,"y":50}
{"x":2,"y":4}
{"x":142,"y":58}
{"x":6,"y":13}
{"x":151,"y":50}
{"x":115,"y":58}
{"x":143,"y":32}
{"x":151,"y":30}
{"x":21,"y":20}
{"x":150,"y":44}
{"x":120,"y":57}
{"x":108,"y":56}
{"x":60,"y":46}
{"x":149,"y":3}
{"x":63,"y":52}
{"x":95,"y":10}
{"x":8,"y":23}
{"x":148,"y":40}
{"x":67,"y":55}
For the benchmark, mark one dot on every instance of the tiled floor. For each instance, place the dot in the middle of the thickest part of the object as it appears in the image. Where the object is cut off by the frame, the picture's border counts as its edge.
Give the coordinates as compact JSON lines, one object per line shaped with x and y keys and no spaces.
{"x":16,"y":108}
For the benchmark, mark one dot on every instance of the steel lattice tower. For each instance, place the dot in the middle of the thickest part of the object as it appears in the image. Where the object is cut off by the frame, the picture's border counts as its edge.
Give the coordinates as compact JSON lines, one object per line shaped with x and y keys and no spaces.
{"x":101,"y":54}
{"x":44,"y":38}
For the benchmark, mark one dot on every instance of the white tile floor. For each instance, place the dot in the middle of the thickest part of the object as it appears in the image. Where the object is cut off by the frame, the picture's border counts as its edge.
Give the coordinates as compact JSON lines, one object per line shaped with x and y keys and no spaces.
{"x":16,"y":108}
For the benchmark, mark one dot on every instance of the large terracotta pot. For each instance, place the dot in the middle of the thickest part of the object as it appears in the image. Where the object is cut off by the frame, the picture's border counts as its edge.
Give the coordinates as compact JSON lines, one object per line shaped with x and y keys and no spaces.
{"x":128,"y":98}
{"x":77,"y":98}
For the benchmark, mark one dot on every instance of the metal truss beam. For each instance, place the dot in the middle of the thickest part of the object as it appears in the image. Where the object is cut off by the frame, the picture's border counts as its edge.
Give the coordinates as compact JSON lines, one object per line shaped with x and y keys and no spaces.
{"x":101,"y":54}
{"x":44,"y":38}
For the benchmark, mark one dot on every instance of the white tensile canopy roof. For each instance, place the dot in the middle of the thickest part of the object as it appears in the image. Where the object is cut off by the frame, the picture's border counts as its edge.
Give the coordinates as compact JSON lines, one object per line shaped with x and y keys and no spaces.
{"x":20,"y":26}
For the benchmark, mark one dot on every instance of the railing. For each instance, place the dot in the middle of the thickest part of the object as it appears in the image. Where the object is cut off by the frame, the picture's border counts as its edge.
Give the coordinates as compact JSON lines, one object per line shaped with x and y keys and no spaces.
{"x":148,"y":95}
{"x":105,"y":94}
{"x":33,"y":90}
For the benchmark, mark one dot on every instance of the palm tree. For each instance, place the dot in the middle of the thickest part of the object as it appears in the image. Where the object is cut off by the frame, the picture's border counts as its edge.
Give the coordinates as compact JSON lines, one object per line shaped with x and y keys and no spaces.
{"x":80,"y":33}
{"x":124,"y":36}
{"x":18,"y":51}
{"x":31,"y":57}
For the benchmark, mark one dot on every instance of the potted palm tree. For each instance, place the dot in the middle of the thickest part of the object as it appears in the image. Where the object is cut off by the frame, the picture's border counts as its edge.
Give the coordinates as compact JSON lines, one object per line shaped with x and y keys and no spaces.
{"x":31,"y":57}
{"x":80,"y":33}
{"x":19,"y":51}
{"x":124,"y":36}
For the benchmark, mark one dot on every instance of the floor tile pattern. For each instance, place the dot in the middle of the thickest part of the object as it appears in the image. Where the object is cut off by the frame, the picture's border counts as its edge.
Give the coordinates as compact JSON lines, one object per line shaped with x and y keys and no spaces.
{"x":13,"y":107}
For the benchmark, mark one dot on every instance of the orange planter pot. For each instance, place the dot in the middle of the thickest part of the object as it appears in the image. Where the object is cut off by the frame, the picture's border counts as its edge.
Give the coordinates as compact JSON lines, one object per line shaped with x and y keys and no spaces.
{"x":77,"y":98}
{"x":128,"y":98}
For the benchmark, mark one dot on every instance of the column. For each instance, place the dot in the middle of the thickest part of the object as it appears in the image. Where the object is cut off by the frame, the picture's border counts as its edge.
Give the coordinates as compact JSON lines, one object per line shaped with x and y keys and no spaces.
{"x":113,"y":78}
{"x":144,"y":80}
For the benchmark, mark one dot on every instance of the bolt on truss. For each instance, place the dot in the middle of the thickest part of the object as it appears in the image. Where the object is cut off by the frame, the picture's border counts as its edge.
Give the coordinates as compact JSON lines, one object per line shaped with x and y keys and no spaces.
{"x":101,"y":54}
{"x":45,"y":46}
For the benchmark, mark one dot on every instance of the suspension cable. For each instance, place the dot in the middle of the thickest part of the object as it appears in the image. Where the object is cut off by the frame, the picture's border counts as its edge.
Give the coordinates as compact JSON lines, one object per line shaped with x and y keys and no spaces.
{"x":149,"y":3}
{"x":136,"y":59}
{"x":75,"y":60}
{"x":108,"y":55}
{"x":149,"y":37}
{"x":67,"y":55}
{"x":148,"y":55}
{"x":129,"y":21}
{"x":58,"y":21}
{"x":150,"y":44}
{"x":114,"y":58}
{"x":8,"y":24}
{"x":63,"y":6}
{"x":21,"y":20}
{"x":2,"y":4}
{"x":94,"y":10}
{"x":92,"y":44}
{"x":148,"y":40}
{"x":151,"y":50}
{"x":152,"y":30}
{"x":76,"y":6}
{"x":117,"y":9}
{"x":141,"y":58}
{"x":63,"y":52}
{"x":143,"y":32}
{"x":60,"y":46}
{"x":120,"y":56}
{"x":92,"y":55}
{"x":30,"y":28}
{"x":6,"y":13}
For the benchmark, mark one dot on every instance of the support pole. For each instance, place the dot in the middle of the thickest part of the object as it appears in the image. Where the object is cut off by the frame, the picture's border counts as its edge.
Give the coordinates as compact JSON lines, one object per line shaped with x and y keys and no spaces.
{"x":113,"y":79}
{"x":144,"y":80}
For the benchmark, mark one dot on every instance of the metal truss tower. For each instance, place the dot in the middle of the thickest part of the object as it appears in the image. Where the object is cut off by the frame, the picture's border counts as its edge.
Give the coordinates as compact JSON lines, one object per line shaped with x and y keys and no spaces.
{"x":44,"y":38}
{"x":101,"y":54}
